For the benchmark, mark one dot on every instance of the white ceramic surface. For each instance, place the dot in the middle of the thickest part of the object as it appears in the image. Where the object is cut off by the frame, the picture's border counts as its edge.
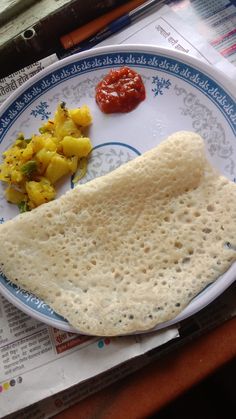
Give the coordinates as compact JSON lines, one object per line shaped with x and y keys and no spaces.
{"x":182,"y":94}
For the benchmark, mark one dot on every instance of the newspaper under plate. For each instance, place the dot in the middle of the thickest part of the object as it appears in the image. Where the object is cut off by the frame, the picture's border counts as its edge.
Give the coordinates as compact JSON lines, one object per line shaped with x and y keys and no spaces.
{"x":29,"y":348}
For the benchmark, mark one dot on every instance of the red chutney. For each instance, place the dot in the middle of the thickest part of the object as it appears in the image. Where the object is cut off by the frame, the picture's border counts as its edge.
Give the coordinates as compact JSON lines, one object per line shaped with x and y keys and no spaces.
{"x":120,"y":91}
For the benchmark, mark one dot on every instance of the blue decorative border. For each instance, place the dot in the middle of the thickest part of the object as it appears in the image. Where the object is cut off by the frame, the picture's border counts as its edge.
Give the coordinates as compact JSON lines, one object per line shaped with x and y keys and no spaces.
{"x":110,"y":143}
{"x":191,"y":75}
{"x":195,"y":77}
{"x":29,"y":299}
{"x":119,"y":144}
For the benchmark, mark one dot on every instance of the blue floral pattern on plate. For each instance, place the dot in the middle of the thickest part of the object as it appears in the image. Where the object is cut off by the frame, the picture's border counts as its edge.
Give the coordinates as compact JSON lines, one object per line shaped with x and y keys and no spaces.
{"x":182,"y":93}
{"x":160,"y":84}
{"x":40,"y":110}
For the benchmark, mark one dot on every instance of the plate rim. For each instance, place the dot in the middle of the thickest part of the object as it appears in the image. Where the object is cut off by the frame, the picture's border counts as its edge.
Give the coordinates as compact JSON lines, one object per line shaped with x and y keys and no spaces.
{"x":210,"y":71}
{"x":213,"y":73}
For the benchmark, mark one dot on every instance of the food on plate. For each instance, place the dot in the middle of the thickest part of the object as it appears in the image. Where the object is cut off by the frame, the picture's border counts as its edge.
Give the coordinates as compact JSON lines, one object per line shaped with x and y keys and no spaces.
{"x":130,"y":249}
{"x":32,"y":166}
{"x":121,"y":90}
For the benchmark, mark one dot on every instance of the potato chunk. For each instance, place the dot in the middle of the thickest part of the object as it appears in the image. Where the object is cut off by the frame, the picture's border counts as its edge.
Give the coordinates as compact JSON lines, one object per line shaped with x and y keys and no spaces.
{"x":39,"y":192}
{"x":81,"y":116}
{"x":44,"y":141}
{"x":14,"y":196}
{"x":79,"y":147}
{"x":57,"y":168}
{"x":44,"y":157}
{"x":31,"y":166}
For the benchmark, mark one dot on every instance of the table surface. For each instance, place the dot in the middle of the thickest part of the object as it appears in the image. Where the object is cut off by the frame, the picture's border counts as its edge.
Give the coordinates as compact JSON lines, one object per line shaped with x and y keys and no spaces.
{"x":159,"y":383}
{"x":163,"y":380}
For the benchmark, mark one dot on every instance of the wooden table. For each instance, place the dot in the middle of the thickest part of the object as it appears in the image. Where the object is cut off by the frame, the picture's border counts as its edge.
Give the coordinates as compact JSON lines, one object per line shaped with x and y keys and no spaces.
{"x":148,"y":390}
{"x":162,"y":381}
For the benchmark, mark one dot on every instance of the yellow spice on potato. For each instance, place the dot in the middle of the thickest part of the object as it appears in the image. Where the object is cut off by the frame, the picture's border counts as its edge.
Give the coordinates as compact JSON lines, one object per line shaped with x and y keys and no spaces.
{"x":43,"y":141}
{"x":73,"y":163}
{"x":27,"y":153}
{"x":43,"y":157}
{"x":40,"y":192}
{"x":72,"y":146}
{"x":81,"y":116}
{"x":14,"y":196}
{"x":48,"y":126}
{"x":67,"y":127}
{"x":32,"y":166}
{"x":57,"y":168}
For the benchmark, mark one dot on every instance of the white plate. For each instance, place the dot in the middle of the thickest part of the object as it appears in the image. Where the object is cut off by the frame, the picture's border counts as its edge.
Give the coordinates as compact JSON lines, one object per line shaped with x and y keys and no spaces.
{"x":182,"y":94}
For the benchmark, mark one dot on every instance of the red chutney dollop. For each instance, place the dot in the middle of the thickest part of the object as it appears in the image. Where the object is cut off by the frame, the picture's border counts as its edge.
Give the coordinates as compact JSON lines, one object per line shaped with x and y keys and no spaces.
{"x":120,"y":91}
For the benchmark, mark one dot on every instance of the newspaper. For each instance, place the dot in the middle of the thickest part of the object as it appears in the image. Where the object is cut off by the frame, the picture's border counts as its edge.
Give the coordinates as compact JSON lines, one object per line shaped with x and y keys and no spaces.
{"x":220,"y":310}
{"x":59,"y":360}
{"x":13,"y":81}
{"x":68,"y":366}
{"x":214,"y":20}
{"x":165,"y":29}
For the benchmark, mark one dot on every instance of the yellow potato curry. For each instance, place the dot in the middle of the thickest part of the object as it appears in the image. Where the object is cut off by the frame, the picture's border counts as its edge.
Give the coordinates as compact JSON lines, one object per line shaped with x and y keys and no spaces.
{"x":31,"y":167}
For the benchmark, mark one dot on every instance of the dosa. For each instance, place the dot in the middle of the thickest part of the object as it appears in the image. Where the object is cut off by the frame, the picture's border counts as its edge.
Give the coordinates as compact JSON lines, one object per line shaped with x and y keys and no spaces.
{"x":130,"y":249}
